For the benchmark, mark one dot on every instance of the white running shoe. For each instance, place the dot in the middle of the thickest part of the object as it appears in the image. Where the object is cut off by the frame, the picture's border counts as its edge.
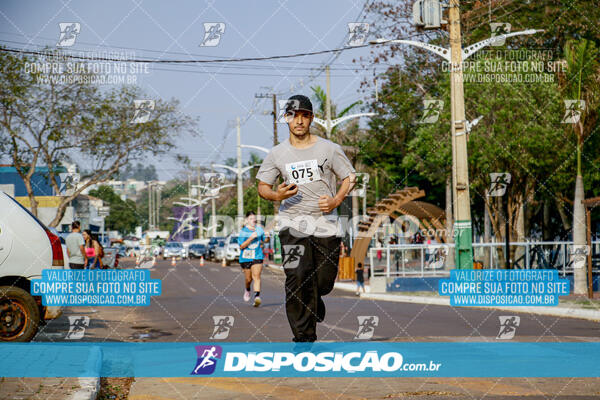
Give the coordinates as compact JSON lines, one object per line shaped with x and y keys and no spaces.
{"x":257,"y":301}
{"x":247,"y":295}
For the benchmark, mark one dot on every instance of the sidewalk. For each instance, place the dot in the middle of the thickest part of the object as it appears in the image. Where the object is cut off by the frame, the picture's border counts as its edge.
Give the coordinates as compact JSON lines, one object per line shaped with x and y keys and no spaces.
{"x":51,"y":388}
{"x":47,"y":388}
{"x":572,"y":306}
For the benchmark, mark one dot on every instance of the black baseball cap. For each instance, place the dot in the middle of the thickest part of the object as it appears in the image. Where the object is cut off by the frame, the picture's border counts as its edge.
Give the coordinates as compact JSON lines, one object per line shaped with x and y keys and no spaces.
{"x":298,"y":102}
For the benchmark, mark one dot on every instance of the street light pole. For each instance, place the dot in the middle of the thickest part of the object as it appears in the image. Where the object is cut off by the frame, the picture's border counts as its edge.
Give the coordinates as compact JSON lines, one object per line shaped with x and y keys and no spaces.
{"x":462,"y":211}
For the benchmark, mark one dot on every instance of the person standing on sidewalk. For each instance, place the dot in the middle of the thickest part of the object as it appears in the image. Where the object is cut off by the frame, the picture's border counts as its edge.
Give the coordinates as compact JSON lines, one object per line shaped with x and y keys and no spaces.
{"x":75,"y":249}
{"x":360,"y":279}
{"x":309,"y":228}
{"x":250,"y":239}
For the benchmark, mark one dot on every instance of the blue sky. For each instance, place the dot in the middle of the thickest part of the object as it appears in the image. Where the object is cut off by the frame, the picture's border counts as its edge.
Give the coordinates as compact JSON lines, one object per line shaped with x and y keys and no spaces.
{"x":216,"y":94}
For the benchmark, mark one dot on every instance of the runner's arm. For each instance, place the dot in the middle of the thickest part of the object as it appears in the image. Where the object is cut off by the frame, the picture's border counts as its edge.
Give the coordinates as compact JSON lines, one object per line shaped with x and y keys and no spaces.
{"x":247,"y":242}
{"x":283,"y":191}
{"x":352,"y":181}
{"x":327,"y":203}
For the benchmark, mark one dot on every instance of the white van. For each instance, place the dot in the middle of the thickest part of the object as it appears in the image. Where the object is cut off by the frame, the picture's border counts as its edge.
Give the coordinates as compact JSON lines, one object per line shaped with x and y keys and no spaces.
{"x":26,"y":248}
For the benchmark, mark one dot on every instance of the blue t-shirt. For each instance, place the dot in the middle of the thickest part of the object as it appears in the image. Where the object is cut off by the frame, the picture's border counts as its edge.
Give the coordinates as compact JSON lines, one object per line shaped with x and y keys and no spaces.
{"x":253,"y":251}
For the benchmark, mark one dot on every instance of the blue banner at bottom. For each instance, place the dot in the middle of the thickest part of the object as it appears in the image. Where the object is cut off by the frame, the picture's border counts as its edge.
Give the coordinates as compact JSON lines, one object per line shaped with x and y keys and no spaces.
{"x":321,"y":359}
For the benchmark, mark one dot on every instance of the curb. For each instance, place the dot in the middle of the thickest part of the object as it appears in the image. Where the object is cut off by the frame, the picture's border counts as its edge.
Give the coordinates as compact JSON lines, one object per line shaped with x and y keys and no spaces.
{"x":559,"y":311}
{"x":275,"y":267}
{"x":90,"y":386}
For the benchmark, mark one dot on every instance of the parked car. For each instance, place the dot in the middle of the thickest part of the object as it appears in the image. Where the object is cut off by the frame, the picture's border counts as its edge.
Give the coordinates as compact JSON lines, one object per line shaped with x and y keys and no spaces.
{"x":62,"y":244}
{"x":111,"y":257}
{"x":173,"y":249}
{"x":135,"y":251}
{"x":219,"y":251}
{"x":27,"y":247}
{"x":213,"y":243}
{"x":230,"y":251}
{"x":122,"y":251}
{"x":198,"y":250}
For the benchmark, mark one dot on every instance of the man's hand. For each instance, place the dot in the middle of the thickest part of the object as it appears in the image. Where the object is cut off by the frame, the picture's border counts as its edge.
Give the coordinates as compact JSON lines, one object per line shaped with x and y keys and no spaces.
{"x":327,"y":203}
{"x":285,"y":191}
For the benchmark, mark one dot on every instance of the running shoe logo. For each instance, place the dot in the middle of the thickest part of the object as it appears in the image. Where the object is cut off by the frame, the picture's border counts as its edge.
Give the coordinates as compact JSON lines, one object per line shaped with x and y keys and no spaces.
{"x":292,"y":254}
{"x":207,"y":359}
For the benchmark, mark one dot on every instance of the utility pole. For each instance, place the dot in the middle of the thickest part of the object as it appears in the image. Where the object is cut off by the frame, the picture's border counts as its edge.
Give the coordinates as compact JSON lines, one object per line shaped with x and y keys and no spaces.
{"x":463,"y":231}
{"x":150,"y":221}
{"x":240,"y":192}
{"x":200,"y":217}
{"x":213,"y":208}
{"x":328,"y":126}
{"x":275,"y":139}
{"x":274,"y":113}
{"x":153,"y":205}
{"x":239,"y":171}
{"x":275,"y":143}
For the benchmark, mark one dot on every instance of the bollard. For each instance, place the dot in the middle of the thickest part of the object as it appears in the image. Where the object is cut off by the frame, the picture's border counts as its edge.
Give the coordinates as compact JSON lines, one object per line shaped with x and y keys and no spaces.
{"x":173,"y":262}
{"x":202,"y":261}
{"x":224,"y":262}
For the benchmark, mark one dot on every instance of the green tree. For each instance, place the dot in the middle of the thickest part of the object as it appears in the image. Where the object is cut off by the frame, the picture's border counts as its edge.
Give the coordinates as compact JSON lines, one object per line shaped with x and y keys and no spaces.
{"x":581,"y":84}
{"x":338,"y":134}
{"x":251,"y":203}
{"x":518,"y":134}
{"x":123,"y":215}
{"x":45,"y":123}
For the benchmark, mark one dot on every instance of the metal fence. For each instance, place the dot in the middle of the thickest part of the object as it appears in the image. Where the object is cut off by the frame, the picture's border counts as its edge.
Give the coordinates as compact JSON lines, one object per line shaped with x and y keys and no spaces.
{"x":433,"y":259}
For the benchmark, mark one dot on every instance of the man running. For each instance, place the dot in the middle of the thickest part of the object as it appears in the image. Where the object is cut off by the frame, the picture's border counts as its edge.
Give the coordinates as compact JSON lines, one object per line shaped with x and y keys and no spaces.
{"x":309,"y":227}
{"x":250,"y":239}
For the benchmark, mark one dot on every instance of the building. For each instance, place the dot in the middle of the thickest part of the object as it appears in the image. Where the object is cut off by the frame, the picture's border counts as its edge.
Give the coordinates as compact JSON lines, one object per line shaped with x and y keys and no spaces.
{"x":128,"y":189}
{"x":83,"y":208}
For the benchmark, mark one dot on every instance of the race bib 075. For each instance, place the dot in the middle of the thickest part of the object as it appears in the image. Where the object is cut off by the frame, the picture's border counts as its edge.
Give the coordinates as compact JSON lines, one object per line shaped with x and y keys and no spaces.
{"x":302,"y":172}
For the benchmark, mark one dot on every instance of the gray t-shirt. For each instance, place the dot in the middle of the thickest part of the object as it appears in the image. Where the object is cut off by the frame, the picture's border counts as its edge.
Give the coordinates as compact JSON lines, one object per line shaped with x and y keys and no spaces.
{"x":73,"y":241}
{"x":315,"y":169}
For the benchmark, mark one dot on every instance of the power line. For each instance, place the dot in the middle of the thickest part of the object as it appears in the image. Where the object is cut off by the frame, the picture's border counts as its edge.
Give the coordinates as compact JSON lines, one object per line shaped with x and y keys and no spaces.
{"x":173,"y":61}
{"x":51,"y":40}
{"x":241,"y":73}
{"x":317,"y":64}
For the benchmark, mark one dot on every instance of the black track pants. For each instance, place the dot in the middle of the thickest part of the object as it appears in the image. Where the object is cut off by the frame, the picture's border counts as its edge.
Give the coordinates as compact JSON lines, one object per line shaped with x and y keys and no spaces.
{"x":311,"y":265}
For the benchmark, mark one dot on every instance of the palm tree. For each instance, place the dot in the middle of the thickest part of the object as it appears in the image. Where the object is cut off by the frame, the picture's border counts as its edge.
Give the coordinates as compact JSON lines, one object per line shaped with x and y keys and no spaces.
{"x":320,"y":112}
{"x":582,"y":65}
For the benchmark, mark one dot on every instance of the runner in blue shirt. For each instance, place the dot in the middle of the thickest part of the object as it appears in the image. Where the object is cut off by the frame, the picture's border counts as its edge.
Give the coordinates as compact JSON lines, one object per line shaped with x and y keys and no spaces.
{"x":250,"y":239}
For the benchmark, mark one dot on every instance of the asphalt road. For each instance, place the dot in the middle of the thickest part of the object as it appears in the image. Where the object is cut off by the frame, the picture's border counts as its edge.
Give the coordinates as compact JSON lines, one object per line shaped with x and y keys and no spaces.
{"x":193,"y":295}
